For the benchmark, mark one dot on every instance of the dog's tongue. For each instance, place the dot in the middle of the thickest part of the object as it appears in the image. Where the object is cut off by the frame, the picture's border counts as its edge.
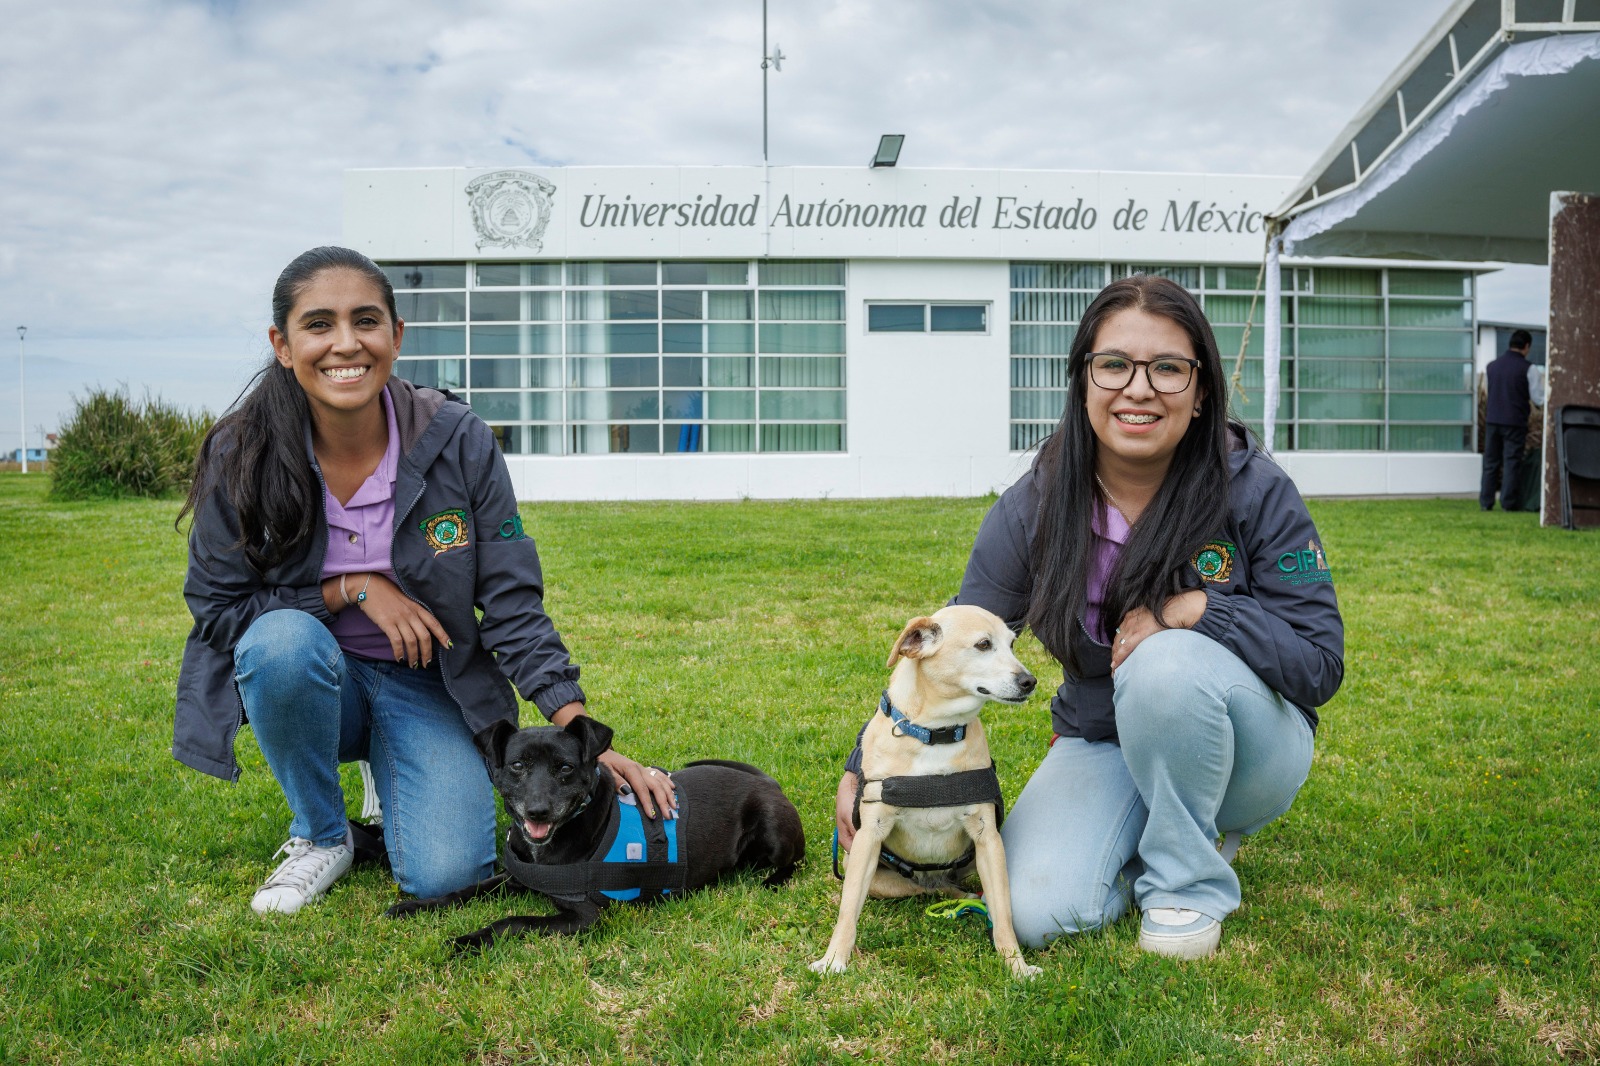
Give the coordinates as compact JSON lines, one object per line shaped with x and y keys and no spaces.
{"x":537,"y":830}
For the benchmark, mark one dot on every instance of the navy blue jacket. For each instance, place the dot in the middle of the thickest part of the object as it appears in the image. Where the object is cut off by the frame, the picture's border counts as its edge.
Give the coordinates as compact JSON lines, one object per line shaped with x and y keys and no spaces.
{"x":1271,"y":603}
{"x":1508,"y":390}
{"x":448,"y":461}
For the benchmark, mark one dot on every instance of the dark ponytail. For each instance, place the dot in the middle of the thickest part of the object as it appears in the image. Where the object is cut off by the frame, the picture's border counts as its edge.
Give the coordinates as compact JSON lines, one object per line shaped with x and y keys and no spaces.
{"x":1182,"y":516}
{"x":255,"y":455}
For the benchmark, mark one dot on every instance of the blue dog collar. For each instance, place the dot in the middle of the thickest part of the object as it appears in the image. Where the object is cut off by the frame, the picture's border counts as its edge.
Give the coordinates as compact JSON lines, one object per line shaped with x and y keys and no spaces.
{"x":905,"y":726}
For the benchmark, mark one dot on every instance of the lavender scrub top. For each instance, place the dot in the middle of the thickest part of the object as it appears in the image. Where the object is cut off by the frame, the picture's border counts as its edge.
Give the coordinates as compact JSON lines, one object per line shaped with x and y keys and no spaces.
{"x":360,"y":538}
{"x":1110,"y":535}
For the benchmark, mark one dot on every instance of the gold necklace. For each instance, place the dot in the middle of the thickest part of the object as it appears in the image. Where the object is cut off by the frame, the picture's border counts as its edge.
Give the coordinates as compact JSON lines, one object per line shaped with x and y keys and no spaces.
{"x":1112,"y":500}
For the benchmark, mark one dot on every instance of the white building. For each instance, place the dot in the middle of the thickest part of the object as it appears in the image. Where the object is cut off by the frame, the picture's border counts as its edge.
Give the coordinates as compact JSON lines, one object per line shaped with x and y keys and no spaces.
{"x":718,"y":332}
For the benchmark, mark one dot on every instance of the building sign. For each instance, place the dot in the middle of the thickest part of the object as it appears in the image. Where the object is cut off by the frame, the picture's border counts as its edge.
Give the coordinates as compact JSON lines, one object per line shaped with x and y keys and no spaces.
{"x":738,"y":212}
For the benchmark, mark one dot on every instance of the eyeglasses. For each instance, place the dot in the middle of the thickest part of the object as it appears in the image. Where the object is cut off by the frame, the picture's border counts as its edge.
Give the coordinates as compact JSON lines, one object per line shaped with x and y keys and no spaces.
{"x":1168,"y":374}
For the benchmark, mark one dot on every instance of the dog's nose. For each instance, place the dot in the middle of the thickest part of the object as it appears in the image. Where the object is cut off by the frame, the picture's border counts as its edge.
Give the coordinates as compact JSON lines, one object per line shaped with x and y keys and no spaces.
{"x":1027,"y":683}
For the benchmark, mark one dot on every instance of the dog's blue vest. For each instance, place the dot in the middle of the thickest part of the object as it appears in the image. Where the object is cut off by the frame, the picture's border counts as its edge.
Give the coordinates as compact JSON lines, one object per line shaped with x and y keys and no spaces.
{"x":635,"y":857}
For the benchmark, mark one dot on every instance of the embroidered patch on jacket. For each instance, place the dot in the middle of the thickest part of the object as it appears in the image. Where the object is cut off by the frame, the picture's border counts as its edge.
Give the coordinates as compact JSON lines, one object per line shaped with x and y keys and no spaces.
{"x":445,"y":530}
{"x":1304,"y":566}
{"x":511,"y":529}
{"x":1214,"y":561}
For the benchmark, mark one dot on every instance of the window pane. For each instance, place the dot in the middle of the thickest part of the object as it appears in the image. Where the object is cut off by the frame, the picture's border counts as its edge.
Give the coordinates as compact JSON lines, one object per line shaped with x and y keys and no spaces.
{"x":734,"y":337}
{"x":592,"y":373}
{"x":684,"y":437}
{"x":1430,"y":438}
{"x":1346,"y":343}
{"x":1341,"y":374}
{"x":730,"y":305}
{"x":896,"y":318}
{"x":528,"y":440}
{"x":683,"y":404}
{"x":1233,"y":309}
{"x":1187,"y":276}
{"x":614,"y":404}
{"x":432,"y":307}
{"x":1253,"y":376}
{"x":1318,"y":312}
{"x":1430,"y":344}
{"x":800,"y":371}
{"x":1038,"y":373}
{"x":684,"y":303}
{"x":426,"y":276}
{"x":1042,"y":340}
{"x":677,"y":337}
{"x":734,"y":438}
{"x":517,"y":406}
{"x":1049,"y":306}
{"x":1250,"y":406}
{"x":492,"y":275}
{"x":1041,"y":403}
{"x":802,"y":272}
{"x":601,"y":339}
{"x":1431,"y":377}
{"x":1433,"y":314}
{"x":727,"y":405}
{"x":1430,"y":406}
{"x":1429,"y":283}
{"x":516,"y":306}
{"x":1342,"y":405}
{"x":1358,"y":438}
{"x":803,"y":338}
{"x":516,"y":373}
{"x":683,"y":371}
{"x":730,"y":373}
{"x":1230,"y":337}
{"x":601,"y":439}
{"x":438,"y":340}
{"x":612,"y":304}
{"x":958,"y":318}
{"x":1335,"y":281}
{"x":611,"y":273}
{"x":1058,"y":276}
{"x":819,"y":305}
{"x":433,"y":373}
{"x":515,"y":340}
{"x":802,"y":438}
{"x":705,"y":273}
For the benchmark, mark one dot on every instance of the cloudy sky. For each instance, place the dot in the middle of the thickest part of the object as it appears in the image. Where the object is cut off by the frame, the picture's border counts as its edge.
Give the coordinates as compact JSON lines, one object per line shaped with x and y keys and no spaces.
{"x":160,"y":160}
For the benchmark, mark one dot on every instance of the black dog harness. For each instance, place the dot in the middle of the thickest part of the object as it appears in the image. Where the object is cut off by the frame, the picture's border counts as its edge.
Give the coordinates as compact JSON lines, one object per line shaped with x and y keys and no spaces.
{"x":942,"y":790}
{"x":634,"y":858}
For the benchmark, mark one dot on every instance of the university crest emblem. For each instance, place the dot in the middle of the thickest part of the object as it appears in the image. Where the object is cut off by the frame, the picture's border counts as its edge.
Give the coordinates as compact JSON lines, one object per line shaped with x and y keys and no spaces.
{"x":446,"y":530}
{"x":1214,"y":561}
{"x":510,"y":209}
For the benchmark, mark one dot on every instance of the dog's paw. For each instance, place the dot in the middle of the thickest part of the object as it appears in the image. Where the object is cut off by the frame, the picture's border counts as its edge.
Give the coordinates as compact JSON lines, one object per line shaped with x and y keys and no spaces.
{"x":1024,"y":972}
{"x":470,"y":944}
{"x":405,"y":908}
{"x":828,"y":964}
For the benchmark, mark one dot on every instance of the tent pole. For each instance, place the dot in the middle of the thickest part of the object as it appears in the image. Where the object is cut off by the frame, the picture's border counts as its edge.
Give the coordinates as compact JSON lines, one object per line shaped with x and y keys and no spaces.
{"x":1272,"y":338}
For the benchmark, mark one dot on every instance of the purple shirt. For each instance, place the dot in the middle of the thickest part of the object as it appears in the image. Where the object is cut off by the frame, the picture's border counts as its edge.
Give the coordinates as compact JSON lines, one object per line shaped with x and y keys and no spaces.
{"x":360,"y":539}
{"x":1110,"y":534}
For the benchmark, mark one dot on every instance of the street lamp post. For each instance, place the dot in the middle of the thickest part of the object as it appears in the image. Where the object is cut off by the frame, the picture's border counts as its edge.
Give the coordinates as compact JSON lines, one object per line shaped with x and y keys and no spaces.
{"x":22,"y":393}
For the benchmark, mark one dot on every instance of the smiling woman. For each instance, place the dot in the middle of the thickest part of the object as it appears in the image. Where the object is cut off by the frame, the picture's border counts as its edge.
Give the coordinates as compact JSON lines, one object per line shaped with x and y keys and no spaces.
{"x":346,"y":525}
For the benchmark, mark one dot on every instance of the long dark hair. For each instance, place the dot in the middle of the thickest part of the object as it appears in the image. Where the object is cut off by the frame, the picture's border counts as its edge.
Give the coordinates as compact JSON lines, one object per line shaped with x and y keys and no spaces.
{"x":1184,"y":512}
{"x":255,"y":455}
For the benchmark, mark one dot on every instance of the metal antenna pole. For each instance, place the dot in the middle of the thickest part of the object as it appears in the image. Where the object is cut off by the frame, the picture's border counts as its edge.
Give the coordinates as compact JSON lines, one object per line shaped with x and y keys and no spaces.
{"x":22,"y":392}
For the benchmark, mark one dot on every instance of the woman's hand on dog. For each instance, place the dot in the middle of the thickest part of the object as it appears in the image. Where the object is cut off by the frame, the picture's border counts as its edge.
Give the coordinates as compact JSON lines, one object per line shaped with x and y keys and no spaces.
{"x":411,"y":628}
{"x":844,"y":810}
{"x":1180,"y":612}
{"x":653,"y":788}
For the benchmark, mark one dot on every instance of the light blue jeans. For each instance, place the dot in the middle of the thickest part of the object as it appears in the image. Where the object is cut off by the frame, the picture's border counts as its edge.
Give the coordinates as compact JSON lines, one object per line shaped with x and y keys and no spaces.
{"x":1206,"y":748}
{"x":312,"y":707}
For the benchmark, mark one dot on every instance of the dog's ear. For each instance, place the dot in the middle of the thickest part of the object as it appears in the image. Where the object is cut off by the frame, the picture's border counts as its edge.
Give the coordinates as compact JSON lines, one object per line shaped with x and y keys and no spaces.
{"x":594,"y":736}
{"x":919,"y":638}
{"x":492,"y":743}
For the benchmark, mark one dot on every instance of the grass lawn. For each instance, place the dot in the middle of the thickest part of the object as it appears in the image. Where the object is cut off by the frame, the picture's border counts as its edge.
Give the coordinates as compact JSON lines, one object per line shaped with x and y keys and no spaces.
{"x":1433,"y":897}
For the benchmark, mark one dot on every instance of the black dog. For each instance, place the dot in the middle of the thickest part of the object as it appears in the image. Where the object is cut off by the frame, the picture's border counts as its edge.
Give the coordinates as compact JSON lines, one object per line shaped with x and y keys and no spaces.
{"x":564,"y":810}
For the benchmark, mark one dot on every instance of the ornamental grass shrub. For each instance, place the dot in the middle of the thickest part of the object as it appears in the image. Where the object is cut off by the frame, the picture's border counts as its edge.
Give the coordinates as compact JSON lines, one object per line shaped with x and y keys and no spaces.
{"x":113,"y":446}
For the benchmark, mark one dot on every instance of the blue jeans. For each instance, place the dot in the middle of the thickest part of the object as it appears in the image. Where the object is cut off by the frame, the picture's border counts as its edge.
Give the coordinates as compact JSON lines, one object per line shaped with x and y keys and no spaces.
{"x":312,"y":707}
{"x":1206,"y":748}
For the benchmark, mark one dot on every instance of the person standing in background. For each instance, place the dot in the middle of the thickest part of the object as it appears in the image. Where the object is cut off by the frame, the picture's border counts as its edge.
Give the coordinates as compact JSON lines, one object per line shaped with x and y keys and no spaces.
{"x":1506,"y":425}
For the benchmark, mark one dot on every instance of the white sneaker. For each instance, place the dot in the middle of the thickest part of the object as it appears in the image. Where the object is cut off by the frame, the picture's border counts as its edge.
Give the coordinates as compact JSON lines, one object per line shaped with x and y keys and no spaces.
{"x":1179,"y":933}
{"x":304,"y":876}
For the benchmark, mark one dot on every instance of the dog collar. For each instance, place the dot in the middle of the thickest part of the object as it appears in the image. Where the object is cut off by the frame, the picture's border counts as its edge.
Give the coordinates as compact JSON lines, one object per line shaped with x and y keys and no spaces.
{"x":902,"y":725}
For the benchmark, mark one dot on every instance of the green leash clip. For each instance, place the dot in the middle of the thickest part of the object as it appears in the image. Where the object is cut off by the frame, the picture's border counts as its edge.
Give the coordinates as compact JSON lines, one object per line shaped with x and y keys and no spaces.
{"x":958,"y":908}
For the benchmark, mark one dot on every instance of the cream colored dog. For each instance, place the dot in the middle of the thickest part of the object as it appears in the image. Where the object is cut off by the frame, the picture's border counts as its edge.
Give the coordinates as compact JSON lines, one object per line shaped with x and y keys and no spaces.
{"x":945,"y":669}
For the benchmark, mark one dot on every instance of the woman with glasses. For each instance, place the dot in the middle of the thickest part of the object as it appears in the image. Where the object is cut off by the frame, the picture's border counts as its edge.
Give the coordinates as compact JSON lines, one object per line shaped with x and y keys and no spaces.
{"x":1173,"y":570}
